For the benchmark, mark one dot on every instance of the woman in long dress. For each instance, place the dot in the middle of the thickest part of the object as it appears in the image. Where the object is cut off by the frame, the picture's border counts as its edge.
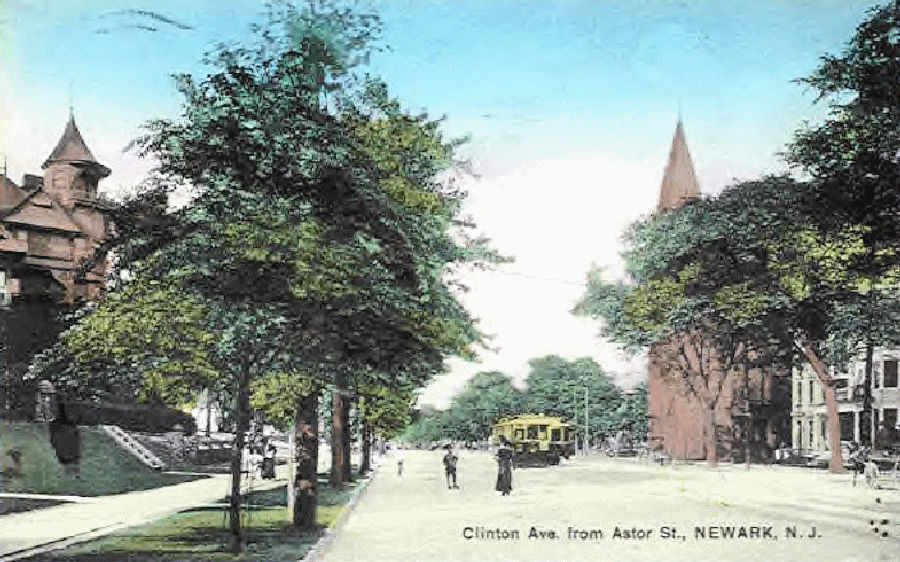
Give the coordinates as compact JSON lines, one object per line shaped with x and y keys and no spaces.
{"x":504,"y":467}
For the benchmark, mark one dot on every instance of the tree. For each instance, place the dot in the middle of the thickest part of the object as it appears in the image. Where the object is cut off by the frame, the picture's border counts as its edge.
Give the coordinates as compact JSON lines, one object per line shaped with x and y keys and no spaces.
{"x":304,"y":248}
{"x":557,"y":387}
{"x":779,"y":266}
{"x":632,"y":414}
{"x":486,"y":397}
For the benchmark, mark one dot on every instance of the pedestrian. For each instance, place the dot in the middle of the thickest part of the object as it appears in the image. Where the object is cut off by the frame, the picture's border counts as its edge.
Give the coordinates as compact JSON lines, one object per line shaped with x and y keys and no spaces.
{"x":398,"y":454}
{"x":65,"y":438}
{"x":504,"y":466}
{"x":268,"y":466}
{"x":450,"y":467}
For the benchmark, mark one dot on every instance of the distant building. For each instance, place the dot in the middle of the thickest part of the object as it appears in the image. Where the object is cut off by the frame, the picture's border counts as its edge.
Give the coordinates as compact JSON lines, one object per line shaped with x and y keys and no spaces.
{"x":758,"y":411}
{"x":858,"y":423}
{"x":48,"y":225}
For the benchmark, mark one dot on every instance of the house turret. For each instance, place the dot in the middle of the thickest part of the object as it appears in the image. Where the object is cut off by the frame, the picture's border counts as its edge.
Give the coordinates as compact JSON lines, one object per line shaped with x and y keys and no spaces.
{"x":71,"y":173}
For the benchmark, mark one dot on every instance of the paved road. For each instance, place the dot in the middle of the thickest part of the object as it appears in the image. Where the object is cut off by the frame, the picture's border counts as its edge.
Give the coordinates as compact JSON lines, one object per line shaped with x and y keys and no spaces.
{"x":415,"y":517}
{"x":24,"y":531}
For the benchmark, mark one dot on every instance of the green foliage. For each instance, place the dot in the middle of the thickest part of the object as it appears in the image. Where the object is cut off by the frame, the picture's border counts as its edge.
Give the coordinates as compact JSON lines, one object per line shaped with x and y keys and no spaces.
{"x":321,"y":237}
{"x":276,"y":395}
{"x":778,"y":265}
{"x":388,"y":411}
{"x":555,"y":387}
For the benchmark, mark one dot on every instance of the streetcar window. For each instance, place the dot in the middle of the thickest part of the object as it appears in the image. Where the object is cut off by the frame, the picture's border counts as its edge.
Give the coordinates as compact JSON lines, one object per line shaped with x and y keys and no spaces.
{"x":532,"y":432}
{"x":519,"y":434}
{"x":555,"y":435}
{"x":542,"y":431}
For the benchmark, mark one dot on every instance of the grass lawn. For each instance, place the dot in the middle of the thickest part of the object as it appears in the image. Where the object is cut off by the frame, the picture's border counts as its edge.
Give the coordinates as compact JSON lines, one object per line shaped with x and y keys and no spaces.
{"x":202,"y":534}
{"x":105,"y":467}
{"x":14,"y":505}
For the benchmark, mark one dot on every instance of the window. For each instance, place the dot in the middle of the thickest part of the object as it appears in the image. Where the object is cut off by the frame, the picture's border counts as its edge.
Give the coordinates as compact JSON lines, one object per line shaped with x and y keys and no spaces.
{"x":890,"y":417}
{"x":890,"y":373}
{"x":812,"y":391}
{"x":39,"y":243}
{"x":532,"y":432}
{"x":4,"y":291}
{"x":542,"y":431}
{"x":555,"y":435}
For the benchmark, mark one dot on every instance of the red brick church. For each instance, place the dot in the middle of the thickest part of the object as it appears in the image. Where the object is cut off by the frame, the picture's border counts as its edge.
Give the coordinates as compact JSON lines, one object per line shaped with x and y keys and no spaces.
{"x":759,"y":410}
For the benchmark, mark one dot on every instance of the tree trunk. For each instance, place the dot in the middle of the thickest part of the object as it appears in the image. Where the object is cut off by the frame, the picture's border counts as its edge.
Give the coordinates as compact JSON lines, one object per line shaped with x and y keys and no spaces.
{"x":346,"y":442}
{"x":365,"y":463}
{"x":712,"y":449}
{"x":337,"y":435}
{"x":867,"y":419}
{"x":836,"y":464}
{"x":306,"y":455}
{"x":237,"y":451}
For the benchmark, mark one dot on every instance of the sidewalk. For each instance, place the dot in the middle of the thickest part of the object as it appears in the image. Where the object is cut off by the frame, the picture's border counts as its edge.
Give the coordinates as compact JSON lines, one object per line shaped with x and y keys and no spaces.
{"x":28,"y":532}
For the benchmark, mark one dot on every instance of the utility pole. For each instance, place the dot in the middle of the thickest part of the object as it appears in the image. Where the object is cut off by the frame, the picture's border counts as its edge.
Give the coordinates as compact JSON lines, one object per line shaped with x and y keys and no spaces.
{"x":586,"y":426}
{"x":575,"y":413}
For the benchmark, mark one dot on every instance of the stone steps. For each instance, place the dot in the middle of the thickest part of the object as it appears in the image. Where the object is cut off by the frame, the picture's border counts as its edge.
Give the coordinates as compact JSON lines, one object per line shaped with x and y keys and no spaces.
{"x":130,"y":444}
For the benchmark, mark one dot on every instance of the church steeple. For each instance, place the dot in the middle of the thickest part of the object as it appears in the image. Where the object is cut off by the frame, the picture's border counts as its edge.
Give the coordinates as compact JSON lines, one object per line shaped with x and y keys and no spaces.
{"x":679,"y":184}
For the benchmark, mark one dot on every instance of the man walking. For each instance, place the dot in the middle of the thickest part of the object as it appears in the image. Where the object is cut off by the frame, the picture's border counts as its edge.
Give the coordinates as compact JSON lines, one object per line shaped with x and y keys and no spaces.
{"x":450,"y":467}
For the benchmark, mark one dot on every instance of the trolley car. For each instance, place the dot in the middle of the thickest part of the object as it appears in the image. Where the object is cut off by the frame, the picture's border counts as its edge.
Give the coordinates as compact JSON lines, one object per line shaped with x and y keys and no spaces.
{"x":537,"y":440}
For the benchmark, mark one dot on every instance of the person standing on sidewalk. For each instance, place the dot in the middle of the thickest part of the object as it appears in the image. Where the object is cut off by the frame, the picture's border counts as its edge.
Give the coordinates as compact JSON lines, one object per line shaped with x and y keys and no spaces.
{"x":504,"y":467}
{"x":398,"y":454}
{"x":450,"y":460}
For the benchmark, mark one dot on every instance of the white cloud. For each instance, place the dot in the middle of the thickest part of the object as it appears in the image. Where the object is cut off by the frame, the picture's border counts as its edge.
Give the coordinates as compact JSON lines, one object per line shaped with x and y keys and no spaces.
{"x":556,"y":218}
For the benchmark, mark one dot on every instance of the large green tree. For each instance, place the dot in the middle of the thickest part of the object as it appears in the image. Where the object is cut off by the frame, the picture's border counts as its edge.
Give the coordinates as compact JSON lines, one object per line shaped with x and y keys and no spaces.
{"x":573,"y":390}
{"x":779,"y":269}
{"x":309,"y":247}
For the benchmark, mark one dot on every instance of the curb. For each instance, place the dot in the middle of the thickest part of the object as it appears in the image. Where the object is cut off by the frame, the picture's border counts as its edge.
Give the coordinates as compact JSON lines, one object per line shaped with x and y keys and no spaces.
{"x":315,"y":553}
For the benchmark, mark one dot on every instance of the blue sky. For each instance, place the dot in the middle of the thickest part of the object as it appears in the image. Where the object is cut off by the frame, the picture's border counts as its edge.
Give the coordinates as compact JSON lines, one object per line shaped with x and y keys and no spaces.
{"x":571,"y":107}
{"x":526,"y":79}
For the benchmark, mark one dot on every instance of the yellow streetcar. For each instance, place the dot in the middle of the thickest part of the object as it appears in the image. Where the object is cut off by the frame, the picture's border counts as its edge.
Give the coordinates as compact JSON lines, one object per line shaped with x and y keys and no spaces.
{"x":536,"y":439}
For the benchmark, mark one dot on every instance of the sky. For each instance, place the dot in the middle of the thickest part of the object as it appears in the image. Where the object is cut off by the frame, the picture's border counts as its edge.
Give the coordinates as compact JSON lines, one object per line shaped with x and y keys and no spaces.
{"x":570,"y":107}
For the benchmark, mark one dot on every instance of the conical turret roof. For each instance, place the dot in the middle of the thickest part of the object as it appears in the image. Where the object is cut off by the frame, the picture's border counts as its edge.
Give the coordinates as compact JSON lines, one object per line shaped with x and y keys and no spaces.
{"x":71,"y":147}
{"x":679,"y":183}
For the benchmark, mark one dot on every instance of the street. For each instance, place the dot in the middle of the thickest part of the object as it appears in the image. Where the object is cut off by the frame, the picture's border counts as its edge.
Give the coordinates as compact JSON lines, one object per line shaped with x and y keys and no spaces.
{"x":617,"y":509}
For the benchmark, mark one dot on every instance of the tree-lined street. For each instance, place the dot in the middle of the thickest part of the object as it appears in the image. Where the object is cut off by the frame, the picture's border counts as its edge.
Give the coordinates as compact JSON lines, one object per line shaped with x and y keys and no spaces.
{"x":415,"y":517}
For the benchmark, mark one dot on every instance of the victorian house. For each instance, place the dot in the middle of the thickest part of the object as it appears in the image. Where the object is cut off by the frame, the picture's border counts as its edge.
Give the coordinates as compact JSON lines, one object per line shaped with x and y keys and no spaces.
{"x":49,"y":225}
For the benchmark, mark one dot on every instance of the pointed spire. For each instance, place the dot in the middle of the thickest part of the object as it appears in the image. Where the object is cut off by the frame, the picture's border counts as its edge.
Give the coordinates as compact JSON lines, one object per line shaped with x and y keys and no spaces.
{"x":679,"y":184}
{"x":72,"y":148}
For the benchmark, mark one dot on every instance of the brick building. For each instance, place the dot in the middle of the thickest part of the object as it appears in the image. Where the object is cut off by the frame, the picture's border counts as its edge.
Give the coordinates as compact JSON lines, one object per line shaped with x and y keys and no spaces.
{"x":758,"y":407}
{"x":48,"y":225}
